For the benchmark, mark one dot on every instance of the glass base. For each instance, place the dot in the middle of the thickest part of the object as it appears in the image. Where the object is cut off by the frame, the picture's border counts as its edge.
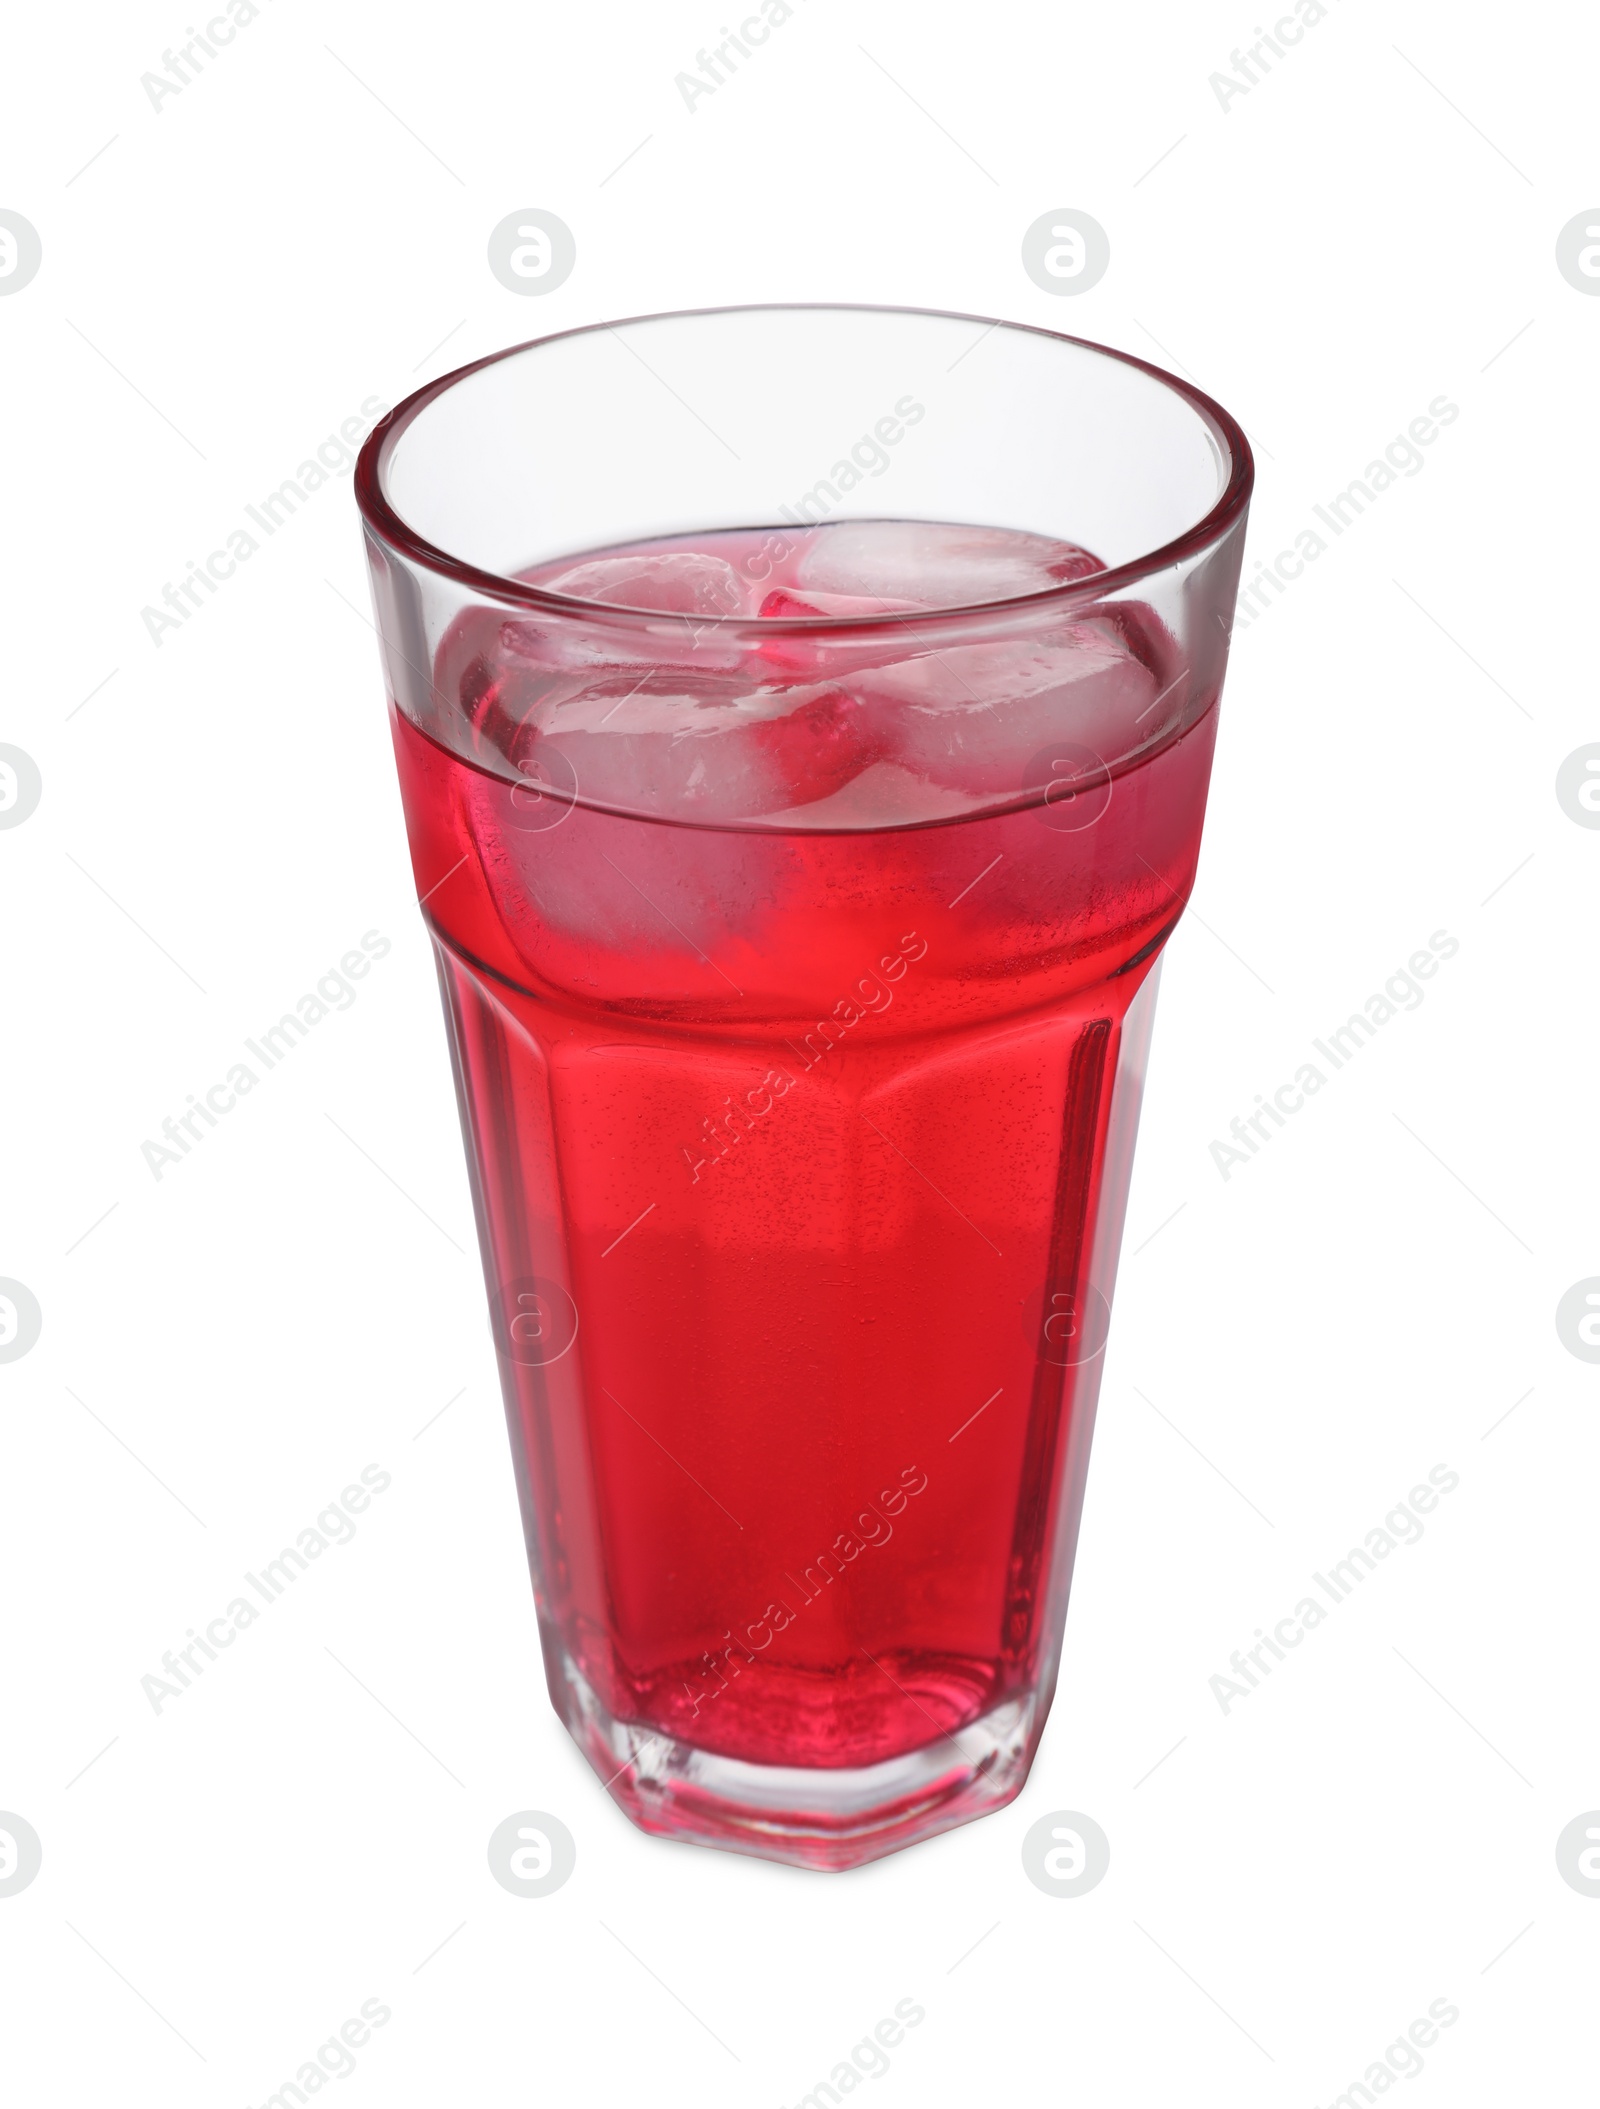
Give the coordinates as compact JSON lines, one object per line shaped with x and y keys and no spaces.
{"x":805,"y":1817}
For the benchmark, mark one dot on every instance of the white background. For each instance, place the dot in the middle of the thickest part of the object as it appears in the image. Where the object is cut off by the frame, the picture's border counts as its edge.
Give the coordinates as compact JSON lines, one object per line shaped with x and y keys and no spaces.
{"x":1371,"y":226}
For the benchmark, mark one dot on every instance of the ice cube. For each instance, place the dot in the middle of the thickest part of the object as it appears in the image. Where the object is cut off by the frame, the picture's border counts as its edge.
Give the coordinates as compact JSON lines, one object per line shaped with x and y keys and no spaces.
{"x":675,"y":582}
{"x":977,"y":717}
{"x":720,"y":751}
{"x":826,"y":655}
{"x":562,"y":644}
{"x":927,"y":564}
{"x":882,"y":795}
{"x":483,"y":691}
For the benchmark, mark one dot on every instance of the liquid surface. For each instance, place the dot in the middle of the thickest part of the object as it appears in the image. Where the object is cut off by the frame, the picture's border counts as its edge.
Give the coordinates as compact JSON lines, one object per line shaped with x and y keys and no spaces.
{"x":693,"y":709}
{"x":800,"y":1155}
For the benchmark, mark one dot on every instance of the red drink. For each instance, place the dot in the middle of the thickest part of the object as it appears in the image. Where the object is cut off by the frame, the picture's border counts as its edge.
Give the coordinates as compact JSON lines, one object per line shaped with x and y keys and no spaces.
{"x":800,"y":1152}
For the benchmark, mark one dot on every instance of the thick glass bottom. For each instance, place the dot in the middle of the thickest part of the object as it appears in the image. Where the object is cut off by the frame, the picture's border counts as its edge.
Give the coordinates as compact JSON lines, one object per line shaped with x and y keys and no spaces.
{"x":826,"y":1819}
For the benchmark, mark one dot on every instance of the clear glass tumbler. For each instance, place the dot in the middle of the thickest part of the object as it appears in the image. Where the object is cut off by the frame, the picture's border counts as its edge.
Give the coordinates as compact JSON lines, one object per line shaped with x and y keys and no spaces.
{"x":799,"y":970}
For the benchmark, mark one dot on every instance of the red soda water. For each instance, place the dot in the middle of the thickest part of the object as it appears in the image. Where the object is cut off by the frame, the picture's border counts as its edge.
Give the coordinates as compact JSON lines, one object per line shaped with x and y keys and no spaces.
{"x":790,"y":995}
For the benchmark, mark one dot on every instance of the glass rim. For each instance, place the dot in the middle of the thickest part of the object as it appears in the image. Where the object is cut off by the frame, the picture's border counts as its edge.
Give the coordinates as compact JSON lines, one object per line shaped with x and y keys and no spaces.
{"x":398,"y":534}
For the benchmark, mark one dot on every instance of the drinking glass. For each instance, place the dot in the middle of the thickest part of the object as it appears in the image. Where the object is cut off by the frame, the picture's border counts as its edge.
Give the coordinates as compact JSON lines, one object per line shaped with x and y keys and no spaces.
{"x":799,"y":996}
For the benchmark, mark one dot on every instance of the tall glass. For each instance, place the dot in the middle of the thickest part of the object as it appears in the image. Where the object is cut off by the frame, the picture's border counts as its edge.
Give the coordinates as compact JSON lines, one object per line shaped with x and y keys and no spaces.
{"x":800,"y":1109}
